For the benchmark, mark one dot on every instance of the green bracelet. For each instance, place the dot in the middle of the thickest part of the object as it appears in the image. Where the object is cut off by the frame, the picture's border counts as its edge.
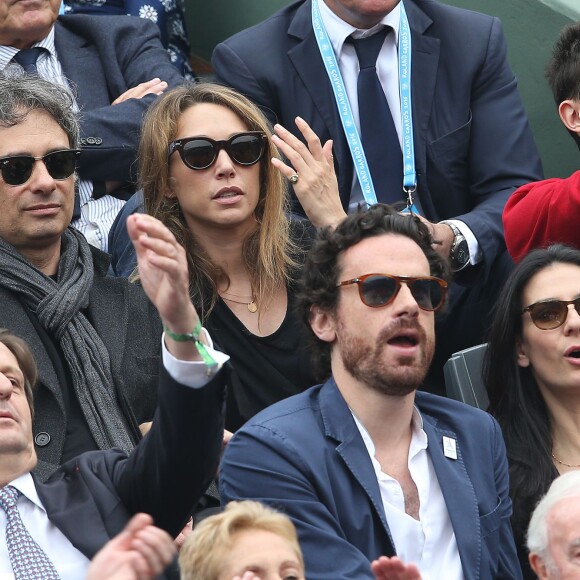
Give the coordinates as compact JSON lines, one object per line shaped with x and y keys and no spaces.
{"x":193,"y":337}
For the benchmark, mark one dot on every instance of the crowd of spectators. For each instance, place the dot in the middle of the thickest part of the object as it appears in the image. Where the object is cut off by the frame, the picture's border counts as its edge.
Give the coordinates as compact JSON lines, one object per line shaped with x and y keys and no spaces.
{"x":267,"y":273}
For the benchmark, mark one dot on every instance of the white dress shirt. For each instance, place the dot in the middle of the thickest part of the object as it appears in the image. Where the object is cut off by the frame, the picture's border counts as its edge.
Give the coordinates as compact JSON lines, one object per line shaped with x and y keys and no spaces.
{"x":430,"y":541}
{"x":68,"y":561}
{"x":97,"y":215}
{"x":388,"y":72}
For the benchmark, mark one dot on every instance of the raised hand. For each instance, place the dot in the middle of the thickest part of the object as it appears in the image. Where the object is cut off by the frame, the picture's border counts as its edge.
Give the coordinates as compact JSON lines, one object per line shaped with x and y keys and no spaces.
{"x":394,"y":569}
{"x":316,"y":187}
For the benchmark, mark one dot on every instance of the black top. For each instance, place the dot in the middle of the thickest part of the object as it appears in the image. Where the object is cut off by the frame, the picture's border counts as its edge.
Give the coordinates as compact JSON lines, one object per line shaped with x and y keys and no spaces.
{"x":265,"y":369}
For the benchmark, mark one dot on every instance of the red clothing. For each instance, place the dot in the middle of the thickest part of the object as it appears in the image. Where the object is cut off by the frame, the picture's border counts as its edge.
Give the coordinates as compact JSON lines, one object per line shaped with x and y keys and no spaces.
{"x":542,"y":213}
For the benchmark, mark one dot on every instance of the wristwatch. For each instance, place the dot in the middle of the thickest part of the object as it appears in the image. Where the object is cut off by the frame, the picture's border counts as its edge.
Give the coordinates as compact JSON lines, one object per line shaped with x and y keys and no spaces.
{"x":459,"y":252}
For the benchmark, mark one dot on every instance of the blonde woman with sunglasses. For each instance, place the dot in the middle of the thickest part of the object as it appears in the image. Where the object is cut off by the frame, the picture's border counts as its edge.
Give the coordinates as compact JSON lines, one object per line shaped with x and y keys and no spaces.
{"x":532,"y":373}
{"x":211,"y":171}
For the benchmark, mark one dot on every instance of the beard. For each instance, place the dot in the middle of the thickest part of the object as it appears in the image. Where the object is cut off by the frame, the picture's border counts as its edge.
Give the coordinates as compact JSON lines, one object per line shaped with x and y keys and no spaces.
{"x":395,"y":375}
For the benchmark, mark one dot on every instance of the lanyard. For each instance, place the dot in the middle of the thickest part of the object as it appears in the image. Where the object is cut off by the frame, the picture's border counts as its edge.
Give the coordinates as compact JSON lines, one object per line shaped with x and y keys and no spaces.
{"x":347,"y":118}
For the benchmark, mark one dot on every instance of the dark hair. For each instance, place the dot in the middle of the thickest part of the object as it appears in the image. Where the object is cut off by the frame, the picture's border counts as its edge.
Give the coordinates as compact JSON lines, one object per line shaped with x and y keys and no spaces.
{"x":563,"y":69}
{"x":322,"y":269}
{"x":514,"y":396}
{"x":25,"y":360}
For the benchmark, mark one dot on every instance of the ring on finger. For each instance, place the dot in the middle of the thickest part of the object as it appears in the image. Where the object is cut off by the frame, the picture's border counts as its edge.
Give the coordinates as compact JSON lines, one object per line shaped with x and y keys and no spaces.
{"x":293,"y":179}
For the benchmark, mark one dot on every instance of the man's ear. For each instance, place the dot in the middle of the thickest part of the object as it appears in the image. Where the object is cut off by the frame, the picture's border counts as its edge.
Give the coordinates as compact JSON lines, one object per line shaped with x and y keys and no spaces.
{"x":323,"y":324}
{"x":569,"y":111}
{"x":522,"y":360}
{"x":538,"y":566}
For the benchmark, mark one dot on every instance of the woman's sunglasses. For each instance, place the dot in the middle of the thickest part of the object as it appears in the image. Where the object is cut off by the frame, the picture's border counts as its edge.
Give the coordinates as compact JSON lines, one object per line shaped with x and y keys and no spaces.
{"x":376,"y":290}
{"x":550,"y":314}
{"x":201,"y":152}
{"x":60,"y":165}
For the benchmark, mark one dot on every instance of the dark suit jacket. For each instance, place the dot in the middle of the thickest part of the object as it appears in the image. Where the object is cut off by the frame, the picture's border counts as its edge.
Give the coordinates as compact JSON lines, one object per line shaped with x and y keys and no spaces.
{"x":130,"y":328}
{"x":306,"y":457}
{"x":473,"y":145}
{"x":103,"y":57}
{"x":91,"y":498}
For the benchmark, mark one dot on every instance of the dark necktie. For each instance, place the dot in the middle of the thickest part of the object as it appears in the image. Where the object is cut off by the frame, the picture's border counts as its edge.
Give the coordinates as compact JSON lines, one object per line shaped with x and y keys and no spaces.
{"x":378,"y":134}
{"x":27,"y":58}
{"x":29,"y":561}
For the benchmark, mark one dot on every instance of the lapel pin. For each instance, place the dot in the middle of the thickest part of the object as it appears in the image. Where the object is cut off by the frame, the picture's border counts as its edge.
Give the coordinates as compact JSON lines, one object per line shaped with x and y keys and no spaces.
{"x":449,"y":448}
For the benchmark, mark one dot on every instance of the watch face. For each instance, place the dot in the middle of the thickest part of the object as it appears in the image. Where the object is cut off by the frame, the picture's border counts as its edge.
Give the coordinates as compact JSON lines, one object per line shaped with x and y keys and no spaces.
{"x":460,"y":255}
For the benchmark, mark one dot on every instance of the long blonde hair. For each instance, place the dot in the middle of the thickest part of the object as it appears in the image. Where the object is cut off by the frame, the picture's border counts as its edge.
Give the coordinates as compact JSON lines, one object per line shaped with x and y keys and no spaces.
{"x":268,"y":252}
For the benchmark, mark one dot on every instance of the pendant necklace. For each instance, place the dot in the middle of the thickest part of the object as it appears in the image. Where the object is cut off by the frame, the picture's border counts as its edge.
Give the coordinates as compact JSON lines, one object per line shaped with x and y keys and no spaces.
{"x":251,"y":305}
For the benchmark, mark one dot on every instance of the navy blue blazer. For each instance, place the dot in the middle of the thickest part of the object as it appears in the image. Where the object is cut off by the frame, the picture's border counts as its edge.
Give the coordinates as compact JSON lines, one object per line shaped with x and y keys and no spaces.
{"x":305,"y":456}
{"x":103,"y":57}
{"x":473,"y":144}
{"x":91,"y":498}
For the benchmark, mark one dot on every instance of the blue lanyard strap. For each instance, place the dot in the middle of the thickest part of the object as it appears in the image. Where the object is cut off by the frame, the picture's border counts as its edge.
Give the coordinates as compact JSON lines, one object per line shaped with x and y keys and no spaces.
{"x":345,"y":111}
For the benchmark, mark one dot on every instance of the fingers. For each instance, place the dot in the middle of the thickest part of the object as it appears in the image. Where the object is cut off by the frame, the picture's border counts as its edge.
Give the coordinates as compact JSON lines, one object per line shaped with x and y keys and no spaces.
{"x":155,"y":86}
{"x":138,"y":522}
{"x":394,"y":569}
{"x":155,"y":546}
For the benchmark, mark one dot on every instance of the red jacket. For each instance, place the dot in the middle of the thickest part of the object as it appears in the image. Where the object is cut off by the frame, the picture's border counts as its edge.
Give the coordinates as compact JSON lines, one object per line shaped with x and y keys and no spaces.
{"x":542,"y":213}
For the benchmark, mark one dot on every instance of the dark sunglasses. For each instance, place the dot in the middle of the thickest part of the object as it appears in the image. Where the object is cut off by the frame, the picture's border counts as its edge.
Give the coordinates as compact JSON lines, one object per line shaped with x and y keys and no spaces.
{"x":201,"y":152}
{"x":377,"y":290}
{"x":550,"y":314}
{"x":17,"y":170}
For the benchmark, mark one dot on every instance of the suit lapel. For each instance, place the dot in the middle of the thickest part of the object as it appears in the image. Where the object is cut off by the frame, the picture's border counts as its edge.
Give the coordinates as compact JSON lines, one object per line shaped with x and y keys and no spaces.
{"x":425,"y":62}
{"x":109,"y":314}
{"x":309,"y":67}
{"x":340,"y":426}
{"x":82,"y":67}
{"x":14,"y":317}
{"x":459,"y":497}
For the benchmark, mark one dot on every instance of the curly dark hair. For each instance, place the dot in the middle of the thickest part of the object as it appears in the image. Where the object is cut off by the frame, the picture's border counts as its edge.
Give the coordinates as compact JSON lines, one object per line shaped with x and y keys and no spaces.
{"x":322,"y":269}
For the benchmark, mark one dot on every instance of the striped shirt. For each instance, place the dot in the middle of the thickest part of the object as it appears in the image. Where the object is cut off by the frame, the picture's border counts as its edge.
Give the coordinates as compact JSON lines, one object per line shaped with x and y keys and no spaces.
{"x":97,"y":215}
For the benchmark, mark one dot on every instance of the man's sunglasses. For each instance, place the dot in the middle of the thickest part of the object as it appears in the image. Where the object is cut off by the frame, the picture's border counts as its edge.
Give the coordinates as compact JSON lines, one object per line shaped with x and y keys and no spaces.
{"x":202,"y":152}
{"x":376,"y":290}
{"x":60,"y":165}
{"x":550,"y":314}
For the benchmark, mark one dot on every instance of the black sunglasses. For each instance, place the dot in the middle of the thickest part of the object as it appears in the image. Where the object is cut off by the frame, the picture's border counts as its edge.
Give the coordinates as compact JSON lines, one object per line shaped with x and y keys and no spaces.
{"x":17,"y":170}
{"x":550,"y":314}
{"x":376,"y":290}
{"x":201,"y":152}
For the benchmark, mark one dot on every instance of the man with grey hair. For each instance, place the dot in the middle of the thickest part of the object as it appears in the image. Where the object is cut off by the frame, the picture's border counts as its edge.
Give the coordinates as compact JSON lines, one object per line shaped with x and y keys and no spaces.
{"x":95,"y":339}
{"x":115,"y":67}
{"x":554,"y":531}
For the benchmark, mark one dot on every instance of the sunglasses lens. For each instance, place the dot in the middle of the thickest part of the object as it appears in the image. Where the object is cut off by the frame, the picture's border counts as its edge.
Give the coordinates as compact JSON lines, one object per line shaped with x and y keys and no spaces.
{"x":199,"y":154}
{"x":17,"y":170}
{"x":428,"y":293}
{"x":246,"y":149}
{"x":61,"y":164}
{"x":548,"y":315}
{"x":378,"y":290}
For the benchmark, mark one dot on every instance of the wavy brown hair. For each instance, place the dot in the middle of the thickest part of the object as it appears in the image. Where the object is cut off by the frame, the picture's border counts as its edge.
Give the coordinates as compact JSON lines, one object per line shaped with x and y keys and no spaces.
{"x":268,"y":251}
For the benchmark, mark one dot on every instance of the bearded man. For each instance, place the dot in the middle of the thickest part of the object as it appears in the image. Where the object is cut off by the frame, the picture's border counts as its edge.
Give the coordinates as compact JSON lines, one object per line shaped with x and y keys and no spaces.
{"x":369,"y":469}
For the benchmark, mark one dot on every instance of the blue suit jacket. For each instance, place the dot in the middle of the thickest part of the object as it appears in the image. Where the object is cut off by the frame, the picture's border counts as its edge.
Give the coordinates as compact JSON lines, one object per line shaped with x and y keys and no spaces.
{"x":473,"y":144}
{"x":306,"y":457}
{"x":103,"y":57}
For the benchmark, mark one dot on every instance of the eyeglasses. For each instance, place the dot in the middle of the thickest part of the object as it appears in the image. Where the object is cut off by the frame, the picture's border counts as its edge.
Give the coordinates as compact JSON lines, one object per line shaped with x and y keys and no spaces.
{"x":201,"y":152}
{"x":376,"y":290}
{"x":17,"y":170}
{"x":550,"y":314}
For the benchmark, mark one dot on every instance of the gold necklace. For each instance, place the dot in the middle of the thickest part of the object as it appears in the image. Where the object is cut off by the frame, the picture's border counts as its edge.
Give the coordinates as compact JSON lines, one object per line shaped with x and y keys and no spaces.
{"x":563,"y":462}
{"x":251,"y":305}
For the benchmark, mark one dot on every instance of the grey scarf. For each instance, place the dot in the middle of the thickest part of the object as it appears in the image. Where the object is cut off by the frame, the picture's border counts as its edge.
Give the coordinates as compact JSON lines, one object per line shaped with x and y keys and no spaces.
{"x":58,"y":306}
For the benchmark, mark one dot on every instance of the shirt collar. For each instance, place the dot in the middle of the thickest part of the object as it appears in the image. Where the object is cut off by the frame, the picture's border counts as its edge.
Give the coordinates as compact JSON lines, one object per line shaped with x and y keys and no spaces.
{"x":338,"y":30}
{"x":25,"y":485}
{"x":7,"y":52}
